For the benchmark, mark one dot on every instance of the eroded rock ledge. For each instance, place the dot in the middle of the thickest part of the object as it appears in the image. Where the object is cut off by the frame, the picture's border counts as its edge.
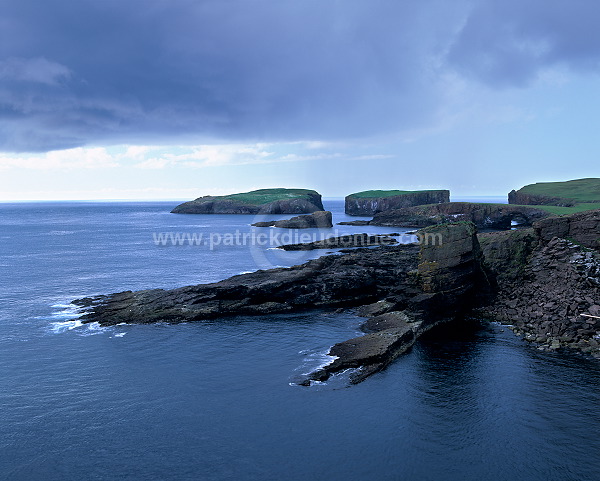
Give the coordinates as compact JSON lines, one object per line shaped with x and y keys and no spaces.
{"x":484,"y":216}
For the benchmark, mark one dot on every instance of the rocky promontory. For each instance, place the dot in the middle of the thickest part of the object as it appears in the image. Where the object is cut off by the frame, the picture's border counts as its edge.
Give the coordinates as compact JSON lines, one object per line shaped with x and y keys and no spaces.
{"x":484,"y":216}
{"x":263,"y":201}
{"x":372,"y":201}
{"x":563,"y":194}
{"x":421,"y":287}
{"x":316,"y":220}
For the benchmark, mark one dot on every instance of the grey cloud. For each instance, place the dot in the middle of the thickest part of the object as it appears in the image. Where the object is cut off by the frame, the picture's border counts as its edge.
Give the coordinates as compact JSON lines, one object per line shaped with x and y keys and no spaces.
{"x":137,"y":71}
{"x":508,"y":43}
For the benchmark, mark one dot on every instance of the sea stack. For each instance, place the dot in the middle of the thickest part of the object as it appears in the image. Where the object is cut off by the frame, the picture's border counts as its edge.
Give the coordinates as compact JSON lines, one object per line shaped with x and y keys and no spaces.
{"x":370,"y":202}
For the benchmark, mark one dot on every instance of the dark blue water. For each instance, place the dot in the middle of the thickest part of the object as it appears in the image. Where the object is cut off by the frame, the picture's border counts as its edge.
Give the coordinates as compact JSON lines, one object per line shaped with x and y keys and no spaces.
{"x":216,"y":401}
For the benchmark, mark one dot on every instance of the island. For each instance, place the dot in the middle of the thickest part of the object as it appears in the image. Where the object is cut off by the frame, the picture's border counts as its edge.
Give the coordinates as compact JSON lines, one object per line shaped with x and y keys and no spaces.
{"x":262,"y":201}
{"x":370,"y":202}
{"x":578,"y":192}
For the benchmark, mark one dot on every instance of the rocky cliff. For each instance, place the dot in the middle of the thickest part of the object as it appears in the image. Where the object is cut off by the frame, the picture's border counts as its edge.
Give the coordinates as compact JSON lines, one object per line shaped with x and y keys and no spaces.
{"x":564,"y":194}
{"x":370,"y":202}
{"x":484,"y":216}
{"x":450,"y":279}
{"x":264,"y":201}
{"x":523,"y":198}
{"x":548,"y":281}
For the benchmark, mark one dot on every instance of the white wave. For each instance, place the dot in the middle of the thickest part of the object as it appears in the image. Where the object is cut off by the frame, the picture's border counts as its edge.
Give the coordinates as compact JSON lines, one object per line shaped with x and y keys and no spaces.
{"x":61,"y":232}
{"x":318,"y":360}
{"x":120,"y":334}
{"x":63,"y":326}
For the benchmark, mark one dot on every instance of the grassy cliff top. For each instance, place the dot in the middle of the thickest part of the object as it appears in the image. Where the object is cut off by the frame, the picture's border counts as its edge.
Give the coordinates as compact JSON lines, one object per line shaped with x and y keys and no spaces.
{"x":580,"y":190}
{"x":386,"y":193}
{"x":266,"y":196}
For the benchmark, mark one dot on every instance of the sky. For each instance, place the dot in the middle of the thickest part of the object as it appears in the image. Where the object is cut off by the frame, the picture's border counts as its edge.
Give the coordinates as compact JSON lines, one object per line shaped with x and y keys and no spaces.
{"x":174,"y":99}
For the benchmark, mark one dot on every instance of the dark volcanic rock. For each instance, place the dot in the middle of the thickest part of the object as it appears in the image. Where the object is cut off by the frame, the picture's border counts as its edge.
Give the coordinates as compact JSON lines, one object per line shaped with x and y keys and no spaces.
{"x":583,"y":228}
{"x":316,"y":220}
{"x":264,"y":201}
{"x":359,"y":205}
{"x":346,"y":241}
{"x":450,"y":279}
{"x":339,"y":280}
{"x":484,"y":216}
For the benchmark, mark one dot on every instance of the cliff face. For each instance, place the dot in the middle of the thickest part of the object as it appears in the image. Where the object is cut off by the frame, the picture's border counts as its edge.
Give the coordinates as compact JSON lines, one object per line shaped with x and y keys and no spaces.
{"x":365,"y":206}
{"x":564,"y":194}
{"x":484,"y":216}
{"x":265,"y":201}
{"x":522,"y":198}
{"x":583,"y":228}
{"x":549,"y":281}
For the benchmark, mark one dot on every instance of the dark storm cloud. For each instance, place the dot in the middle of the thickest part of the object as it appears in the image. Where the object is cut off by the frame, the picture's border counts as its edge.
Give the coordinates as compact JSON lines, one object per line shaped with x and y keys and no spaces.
{"x":507,"y":43}
{"x":77,"y":72}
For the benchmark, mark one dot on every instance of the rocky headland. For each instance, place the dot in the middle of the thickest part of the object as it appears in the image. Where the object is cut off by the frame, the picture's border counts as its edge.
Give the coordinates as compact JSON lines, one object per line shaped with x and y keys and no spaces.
{"x":370,"y":202}
{"x":316,"y":220}
{"x":562,"y":194}
{"x":484,"y":216}
{"x":263,"y":201}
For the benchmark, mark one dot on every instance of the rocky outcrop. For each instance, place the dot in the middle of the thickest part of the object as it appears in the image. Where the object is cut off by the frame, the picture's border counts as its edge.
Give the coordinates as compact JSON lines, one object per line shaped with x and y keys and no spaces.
{"x":582,"y":228}
{"x":371,"y":202}
{"x":484,"y":216}
{"x":264,"y":201}
{"x":342,"y":242}
{"x":449,"y":281}
{"x":316,"y":220}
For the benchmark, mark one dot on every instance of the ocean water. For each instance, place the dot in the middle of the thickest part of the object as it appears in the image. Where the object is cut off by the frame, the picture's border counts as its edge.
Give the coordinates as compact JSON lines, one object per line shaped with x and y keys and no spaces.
{"x":216,"y":400}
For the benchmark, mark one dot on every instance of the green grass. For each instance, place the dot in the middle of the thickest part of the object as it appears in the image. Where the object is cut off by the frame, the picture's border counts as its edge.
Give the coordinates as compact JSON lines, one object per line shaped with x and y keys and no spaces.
{"x":580,"y":190}
{"x":385,"y":193}
{"x":566,"y":210}
{"x":265,"y":196}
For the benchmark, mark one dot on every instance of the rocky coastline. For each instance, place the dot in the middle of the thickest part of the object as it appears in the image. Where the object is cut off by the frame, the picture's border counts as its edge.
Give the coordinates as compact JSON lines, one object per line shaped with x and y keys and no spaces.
{"x":543,"y":281}
{"x":484,"y":216}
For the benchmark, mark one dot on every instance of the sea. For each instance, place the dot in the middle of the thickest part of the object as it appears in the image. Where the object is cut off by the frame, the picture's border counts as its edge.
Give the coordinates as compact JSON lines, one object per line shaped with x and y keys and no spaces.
{"x":218,"y":400}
